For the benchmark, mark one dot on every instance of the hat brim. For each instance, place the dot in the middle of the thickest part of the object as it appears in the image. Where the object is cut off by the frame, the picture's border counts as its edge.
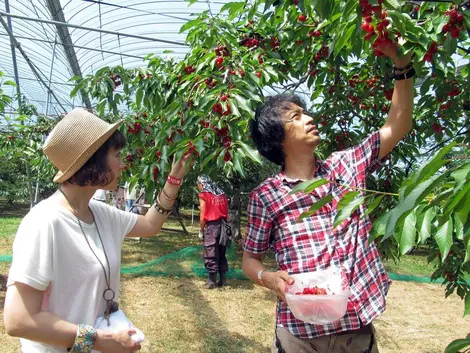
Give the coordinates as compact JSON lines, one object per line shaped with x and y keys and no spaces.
{"x":62,"y":176}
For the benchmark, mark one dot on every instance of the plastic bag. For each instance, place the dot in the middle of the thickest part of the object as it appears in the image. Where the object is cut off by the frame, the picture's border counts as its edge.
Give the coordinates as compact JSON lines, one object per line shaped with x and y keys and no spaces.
{"x":118,"y":322}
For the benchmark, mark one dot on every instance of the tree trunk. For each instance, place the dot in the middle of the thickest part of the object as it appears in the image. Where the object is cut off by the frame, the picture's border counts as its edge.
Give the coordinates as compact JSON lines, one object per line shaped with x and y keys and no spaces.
{"x":234,"y":210}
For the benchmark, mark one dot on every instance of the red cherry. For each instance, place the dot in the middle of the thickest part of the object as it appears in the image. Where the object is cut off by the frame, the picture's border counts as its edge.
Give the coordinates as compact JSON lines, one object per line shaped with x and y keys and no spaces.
{"x":224,"y":98}
{"x":455,"y":32}
{"x":316,"y":33}
{"x":365,"y":26}
{"x":219,"y":61}
{"x":258,"y":74}
{"x":227,"y":156}
{"x":454,"y":14}
{"x":302,"y":18}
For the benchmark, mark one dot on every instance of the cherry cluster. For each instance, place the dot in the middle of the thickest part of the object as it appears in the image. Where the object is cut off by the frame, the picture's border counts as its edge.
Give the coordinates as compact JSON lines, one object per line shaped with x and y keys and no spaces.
{"x":312,"y":290}
{"x":382,"y":22}
{"x":455,"y":24}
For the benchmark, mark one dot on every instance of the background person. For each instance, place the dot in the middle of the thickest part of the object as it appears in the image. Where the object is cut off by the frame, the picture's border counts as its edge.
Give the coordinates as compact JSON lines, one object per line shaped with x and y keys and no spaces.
{"x":130,"y":195}
{"x":67,"y":251}
{"x":213,"y":207}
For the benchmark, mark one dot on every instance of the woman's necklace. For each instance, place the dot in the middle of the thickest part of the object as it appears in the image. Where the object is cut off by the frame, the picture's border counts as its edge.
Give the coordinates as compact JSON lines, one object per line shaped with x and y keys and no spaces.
{"x":108,"y":294}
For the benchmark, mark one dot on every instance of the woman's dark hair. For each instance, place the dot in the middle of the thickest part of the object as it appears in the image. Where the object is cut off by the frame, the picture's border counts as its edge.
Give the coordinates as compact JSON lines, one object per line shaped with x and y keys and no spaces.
{"x":267,"y":128}
{"x":95,"y":171}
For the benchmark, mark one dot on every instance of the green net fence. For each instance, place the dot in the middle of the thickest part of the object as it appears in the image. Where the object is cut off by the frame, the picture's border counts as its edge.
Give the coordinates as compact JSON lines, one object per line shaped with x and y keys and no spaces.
{"x":188,"y":262}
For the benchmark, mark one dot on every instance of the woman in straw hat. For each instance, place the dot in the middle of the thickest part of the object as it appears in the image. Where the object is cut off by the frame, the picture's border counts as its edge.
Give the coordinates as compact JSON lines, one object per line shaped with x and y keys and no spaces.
{"x":67,"y":251}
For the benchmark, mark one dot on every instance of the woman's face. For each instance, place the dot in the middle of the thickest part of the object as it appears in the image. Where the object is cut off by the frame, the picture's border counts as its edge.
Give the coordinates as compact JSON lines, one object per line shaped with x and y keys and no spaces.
{"x":116,"y":165}
{"x":199,"y":186}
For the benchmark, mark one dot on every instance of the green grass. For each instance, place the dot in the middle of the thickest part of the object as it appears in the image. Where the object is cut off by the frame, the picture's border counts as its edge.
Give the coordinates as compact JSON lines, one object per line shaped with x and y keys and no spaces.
{"x":8,"y":226}
{"x":413,"y":264}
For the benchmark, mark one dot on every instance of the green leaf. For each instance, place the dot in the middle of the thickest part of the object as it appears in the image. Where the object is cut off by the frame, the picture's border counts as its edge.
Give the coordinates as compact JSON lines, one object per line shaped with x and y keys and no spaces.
{"x":378,"y":228}
{"x":236,"y":164}
{"x":425,"y":86}
{"x":426,"y":171}
{"x":138,"y":97}
{"x":251,"y":152}
{"x":393,"y":4}
{"x":243,"y":103}
{"x":457,"y":345}
{"x":443,"y":238}
{"x":344,"y":38}
{"x":466,"y":243}
{"x":398,"y":21}
{"x":458,"y":227}
{"x":308,"y":186}
{"x":425,"y":226}
{"x":190,"y":24}
{"x":346,"y":206}
{"x":467,"y":310}
{"x":407,"y":237}
{"x":315,"y":207}
{"x":373,"y":205}
{"x":406,"y":205}
{"x":450,"y":44}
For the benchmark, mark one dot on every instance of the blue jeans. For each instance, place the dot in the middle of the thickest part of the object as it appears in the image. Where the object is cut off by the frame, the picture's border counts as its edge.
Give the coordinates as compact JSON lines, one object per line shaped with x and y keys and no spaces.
{"x":129,"y":204}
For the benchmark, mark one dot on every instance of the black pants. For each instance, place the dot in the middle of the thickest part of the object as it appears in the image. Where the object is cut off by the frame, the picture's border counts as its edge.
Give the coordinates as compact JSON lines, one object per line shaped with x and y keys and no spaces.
{"x":214,"y":254}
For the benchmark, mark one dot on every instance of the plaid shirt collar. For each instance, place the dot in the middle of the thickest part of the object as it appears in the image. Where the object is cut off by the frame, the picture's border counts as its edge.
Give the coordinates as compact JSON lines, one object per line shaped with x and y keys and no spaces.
{"x":319,"y":171}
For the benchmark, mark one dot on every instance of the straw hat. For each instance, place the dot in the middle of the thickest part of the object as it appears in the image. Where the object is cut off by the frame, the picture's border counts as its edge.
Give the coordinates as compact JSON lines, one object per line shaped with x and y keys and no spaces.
{"x":74,"y":140}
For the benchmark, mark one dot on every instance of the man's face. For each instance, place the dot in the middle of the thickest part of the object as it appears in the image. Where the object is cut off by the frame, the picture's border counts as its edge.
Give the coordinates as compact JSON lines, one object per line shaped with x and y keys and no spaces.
{"x":300,"y":132}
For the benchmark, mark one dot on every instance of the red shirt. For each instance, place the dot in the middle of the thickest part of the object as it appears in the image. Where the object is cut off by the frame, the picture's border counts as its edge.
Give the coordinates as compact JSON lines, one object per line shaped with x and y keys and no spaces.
{"x":216,"y":206}
{"x":311,"y":244}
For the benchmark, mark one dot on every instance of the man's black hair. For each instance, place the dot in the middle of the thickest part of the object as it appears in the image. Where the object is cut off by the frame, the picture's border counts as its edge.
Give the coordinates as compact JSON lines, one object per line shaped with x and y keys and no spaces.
{"x":267,"y":128}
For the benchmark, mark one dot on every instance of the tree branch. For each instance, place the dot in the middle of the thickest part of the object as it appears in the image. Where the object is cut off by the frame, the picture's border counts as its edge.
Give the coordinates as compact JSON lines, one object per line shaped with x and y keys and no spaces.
{"x":449,"y":139}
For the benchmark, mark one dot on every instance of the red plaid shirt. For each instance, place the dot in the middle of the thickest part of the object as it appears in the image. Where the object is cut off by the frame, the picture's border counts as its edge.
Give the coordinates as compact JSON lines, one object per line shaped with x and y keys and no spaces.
{"x":311,"y":245}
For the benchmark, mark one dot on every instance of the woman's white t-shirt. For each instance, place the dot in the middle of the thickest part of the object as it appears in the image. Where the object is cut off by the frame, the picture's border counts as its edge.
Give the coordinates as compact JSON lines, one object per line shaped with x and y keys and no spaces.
{"x":51,"y":254}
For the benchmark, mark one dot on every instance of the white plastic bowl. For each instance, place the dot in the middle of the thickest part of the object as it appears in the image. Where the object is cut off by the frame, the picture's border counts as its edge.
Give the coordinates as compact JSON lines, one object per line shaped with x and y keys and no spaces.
{"x":319,"y":309}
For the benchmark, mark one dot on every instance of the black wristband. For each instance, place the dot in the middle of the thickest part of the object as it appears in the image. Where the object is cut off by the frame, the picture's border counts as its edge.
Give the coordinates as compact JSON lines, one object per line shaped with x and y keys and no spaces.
{"x":405,"y":75}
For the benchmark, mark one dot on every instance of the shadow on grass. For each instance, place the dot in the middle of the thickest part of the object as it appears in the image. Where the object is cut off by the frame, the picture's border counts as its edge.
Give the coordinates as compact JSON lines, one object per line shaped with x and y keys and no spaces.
{"x":211,"y":328}
{"x":212,"y":331}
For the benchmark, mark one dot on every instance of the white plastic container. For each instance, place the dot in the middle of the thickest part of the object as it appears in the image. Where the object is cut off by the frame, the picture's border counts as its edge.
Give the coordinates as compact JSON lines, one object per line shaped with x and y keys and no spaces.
{"x":319,"y":309}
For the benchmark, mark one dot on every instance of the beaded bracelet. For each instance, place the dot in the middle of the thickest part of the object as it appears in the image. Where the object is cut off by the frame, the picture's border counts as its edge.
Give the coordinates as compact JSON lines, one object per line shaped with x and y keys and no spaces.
{"x":160,"y":209}
{"x":85,"y":339}
{"x":174,"y":181}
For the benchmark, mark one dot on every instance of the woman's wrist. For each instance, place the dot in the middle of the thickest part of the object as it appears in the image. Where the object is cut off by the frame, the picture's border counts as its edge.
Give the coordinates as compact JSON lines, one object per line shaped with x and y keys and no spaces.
{"x":101,"y":338}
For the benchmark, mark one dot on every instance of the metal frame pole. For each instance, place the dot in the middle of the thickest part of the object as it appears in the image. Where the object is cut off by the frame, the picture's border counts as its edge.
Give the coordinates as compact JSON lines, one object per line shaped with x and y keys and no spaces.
{"x":66,"y":24}
{"x":18,"y":46}
{"x":36,"y":192}
{"x":50,"y":73}
{"x":9,"y":29}
{"x":78,"y":46}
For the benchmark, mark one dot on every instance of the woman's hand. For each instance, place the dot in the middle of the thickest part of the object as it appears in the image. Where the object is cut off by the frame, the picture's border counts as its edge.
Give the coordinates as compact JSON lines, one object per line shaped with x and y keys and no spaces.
{"x":180,"y":167}
{"x":116,"y":342}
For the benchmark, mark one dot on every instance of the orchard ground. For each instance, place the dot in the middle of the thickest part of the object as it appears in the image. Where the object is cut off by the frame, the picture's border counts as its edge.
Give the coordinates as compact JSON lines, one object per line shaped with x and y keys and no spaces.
{"x":177,"y":314}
